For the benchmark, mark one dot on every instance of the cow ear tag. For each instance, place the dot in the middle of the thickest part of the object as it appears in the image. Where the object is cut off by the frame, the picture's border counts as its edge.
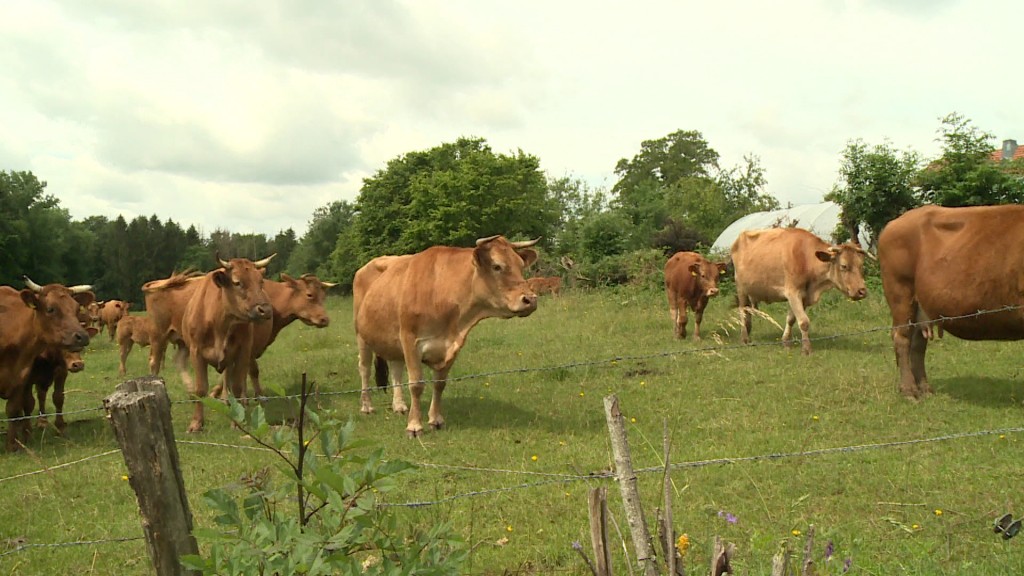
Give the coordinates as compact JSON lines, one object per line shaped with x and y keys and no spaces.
{"x":692,"y":273}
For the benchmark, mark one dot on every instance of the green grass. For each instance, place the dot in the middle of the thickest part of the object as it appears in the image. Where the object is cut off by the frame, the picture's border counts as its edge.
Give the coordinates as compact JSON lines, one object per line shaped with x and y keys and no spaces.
{"x":720,"y":400}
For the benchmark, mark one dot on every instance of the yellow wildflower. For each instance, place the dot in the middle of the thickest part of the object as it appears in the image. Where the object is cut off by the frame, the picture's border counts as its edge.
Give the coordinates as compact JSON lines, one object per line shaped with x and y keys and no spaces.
{"x":796,"y":532}
{"x":683,"y":544}
{"x":938,"y":512}
{"x":124,"y":477}
{"x":508,"y":528}
{"x":534,"y":457}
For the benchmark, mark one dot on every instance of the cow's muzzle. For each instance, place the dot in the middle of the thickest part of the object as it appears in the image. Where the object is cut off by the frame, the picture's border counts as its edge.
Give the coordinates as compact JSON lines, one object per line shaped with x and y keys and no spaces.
{"x":261,"y":312}
{"x":77,"y":340}
{"x":76,"y":367}
{"x":859,"y":294}
{"x":527,"y":305}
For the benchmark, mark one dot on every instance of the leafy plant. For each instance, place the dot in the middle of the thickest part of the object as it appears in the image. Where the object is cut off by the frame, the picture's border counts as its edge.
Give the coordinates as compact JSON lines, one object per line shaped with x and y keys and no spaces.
{"x":321,"y":513}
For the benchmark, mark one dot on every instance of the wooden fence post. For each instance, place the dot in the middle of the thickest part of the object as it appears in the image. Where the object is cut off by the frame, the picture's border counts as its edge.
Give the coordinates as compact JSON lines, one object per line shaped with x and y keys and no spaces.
{"x":598,"y":506}
{"x":140,"y":413}
{"x":627,"y":484}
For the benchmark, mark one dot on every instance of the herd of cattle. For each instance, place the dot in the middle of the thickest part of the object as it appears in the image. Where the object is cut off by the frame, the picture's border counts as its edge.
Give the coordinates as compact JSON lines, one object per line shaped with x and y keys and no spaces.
{"x":939,"y":271}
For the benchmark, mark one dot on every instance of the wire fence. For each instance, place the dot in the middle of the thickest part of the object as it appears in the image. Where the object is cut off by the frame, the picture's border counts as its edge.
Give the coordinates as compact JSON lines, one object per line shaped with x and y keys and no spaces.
{"x":713,"y":349}
{"x":550,"y":478}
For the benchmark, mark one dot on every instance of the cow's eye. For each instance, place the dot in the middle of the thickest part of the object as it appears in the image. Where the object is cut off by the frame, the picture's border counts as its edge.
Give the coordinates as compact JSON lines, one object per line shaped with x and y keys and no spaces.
{"x":496,"y":267}
{"x":237,"y":283}
{"x":51,"y":309}
{"x":844,"y":267}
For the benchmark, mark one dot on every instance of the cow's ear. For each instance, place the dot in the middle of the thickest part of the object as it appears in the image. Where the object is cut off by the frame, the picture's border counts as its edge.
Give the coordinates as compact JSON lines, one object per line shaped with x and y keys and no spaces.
{"x":528,"y":255}
{"x":287,"y":279}
{"x":30,"y":298}
{"x":84,"y":298}
{"x":482,"y":257}
{"x":694,"y":269}
{"x":222,"y":278}
{"x":92,"y":331}
{"x":824,"y":255}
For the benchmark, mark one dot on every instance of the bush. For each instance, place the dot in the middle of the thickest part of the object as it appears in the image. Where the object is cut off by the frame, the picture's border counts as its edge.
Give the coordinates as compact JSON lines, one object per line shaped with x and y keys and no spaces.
{"x":322,"y":516}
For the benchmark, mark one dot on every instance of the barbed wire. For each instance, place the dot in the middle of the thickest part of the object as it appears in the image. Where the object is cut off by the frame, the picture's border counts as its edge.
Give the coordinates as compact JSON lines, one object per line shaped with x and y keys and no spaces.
{"x":59,"y":466}
{"x":22,"y":546}
{"x":592,"y":363}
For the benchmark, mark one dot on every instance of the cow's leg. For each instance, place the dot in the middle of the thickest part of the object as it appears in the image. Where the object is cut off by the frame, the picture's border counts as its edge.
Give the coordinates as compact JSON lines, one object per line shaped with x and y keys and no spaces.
{"x":743,"y":302}
{"x":698,"y":316}
{"x":15,"y":409}
{"x":126,"y":347}
{"x":397,"y":370}
{"x":254,"y":377}
{"x":681,"y":319}
{"x":918,"y":347}
{"x":157,"y":350}
{"x":41,"y":391}
{"x":673,"y":313}
{"x":787,"y":331}
{"x":59,"y":379}
{"x":365,"y":365}
{"x":796,"y":311}
{"x":440,"y":381}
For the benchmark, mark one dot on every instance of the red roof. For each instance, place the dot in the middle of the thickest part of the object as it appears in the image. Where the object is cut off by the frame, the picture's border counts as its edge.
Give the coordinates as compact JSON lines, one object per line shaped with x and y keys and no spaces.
{"x":1018,"y":154}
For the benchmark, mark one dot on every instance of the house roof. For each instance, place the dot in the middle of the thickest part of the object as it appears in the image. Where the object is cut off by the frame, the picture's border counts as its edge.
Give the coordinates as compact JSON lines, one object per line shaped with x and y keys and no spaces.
{"x":997,"y":154}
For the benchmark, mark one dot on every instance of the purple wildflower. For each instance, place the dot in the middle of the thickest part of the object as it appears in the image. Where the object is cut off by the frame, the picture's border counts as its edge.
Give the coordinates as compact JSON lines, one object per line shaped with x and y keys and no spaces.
{"x":729,"y":516}
{"x":576,"y":545}
{"x":829,"y":549}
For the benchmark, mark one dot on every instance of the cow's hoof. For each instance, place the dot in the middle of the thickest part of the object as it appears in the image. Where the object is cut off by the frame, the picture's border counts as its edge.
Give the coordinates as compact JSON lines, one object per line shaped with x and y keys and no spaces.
{"x":437,"y":425}
{"x":400,"y":408}
{"x":42,"y":423}
{"x":194,"y":428}
{"x":366,"y":409}
{"x":414,"y":433}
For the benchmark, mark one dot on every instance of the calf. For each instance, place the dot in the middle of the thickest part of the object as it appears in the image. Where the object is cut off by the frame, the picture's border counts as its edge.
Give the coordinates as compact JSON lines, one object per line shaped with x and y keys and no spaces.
{"x":545,"y":285}
{"x":110,"y":313}
{"x":51,"y":368}
{"x":690,"y":280}
{"x":132,"y":330}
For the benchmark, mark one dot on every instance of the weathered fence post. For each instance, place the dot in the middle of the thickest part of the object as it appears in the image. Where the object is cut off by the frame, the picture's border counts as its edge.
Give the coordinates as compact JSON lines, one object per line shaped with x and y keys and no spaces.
{"x":598,"y":506}
{"x":627,"y":484}
{"x":140,"y":413}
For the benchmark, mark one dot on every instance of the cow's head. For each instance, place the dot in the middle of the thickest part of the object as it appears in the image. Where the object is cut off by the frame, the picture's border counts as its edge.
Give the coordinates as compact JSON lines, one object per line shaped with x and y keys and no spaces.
{"x":846,"y":268}
{"x":56,"y":309}
{"x":707,"y":275}
{"x":241,"y":283}
{"x":73,"y":360}
{"x":499,"y":264}
{"x":306,"y":295}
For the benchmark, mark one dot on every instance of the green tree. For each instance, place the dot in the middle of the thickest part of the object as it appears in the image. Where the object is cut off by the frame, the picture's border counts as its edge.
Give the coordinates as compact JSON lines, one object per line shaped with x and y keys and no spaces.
{"x":451,"y":195}
{"x":661,"y":166}
{"x":314,"y":252}
{"x":965,"y":174}
{"x":876,"y":184}
{"x":34,"y":231}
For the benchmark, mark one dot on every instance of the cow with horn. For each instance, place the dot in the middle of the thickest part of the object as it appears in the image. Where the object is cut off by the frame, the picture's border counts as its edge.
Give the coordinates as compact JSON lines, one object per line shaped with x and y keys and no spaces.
{"x":417,"y":309}
{"x":33,"y":320}
{"x":217,"y":327}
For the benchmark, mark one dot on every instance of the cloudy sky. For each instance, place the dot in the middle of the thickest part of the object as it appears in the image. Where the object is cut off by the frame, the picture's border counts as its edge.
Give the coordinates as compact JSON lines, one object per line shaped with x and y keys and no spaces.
{"x":249,"y":114}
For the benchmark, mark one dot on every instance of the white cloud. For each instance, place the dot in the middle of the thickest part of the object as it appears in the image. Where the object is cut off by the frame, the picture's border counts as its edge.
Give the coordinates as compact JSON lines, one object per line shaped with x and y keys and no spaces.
{"x":250,"y":115}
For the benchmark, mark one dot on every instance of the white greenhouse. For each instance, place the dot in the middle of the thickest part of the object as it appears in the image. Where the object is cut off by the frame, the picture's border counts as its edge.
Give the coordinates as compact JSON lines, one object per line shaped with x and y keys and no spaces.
{"x":821,"y":219}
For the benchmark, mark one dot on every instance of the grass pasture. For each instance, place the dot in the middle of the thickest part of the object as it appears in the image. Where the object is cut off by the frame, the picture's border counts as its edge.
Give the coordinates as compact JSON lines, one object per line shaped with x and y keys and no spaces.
{"x":525,"y":426}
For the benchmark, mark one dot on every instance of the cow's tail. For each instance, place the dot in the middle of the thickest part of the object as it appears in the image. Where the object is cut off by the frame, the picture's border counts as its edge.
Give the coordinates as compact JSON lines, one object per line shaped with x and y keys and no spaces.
{"x":380,"y":371}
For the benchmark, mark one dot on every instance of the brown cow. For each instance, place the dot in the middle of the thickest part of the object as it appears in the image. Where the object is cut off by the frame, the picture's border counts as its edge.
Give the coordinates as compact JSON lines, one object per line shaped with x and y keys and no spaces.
{"x":949,"y":264}
{"x":110,"y":313}
{"x":690,"y":280}
{"x":51,"y":368}
{"x":34,"y":320}
{"x":165,"y":304}
{"x":132,"y":330}
{"x":292,"y":299}
{"x":795,"y":266}
{"x":418,"y":309}
{"x":217,"y":327}
{"x":545,"y":285}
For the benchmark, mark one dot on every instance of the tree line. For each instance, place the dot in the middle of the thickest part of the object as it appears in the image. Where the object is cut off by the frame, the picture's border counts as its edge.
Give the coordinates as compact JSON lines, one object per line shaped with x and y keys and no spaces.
{"x":672,"y":195}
